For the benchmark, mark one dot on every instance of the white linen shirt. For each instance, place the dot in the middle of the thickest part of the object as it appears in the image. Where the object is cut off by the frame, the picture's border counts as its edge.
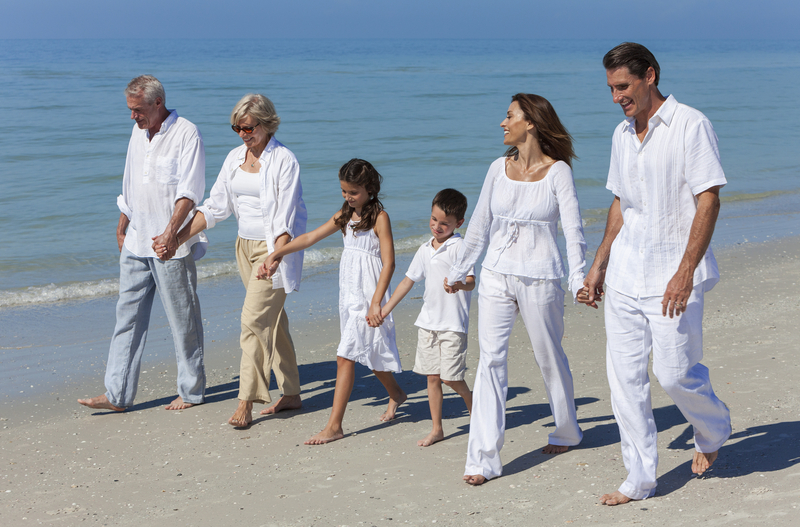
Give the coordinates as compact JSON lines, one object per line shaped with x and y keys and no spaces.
{"x":441,"y":311}
{"x":657,"y":181}
{"x":519,"y":220}
{"x":158,"y":173}
{"x":282,"y":206}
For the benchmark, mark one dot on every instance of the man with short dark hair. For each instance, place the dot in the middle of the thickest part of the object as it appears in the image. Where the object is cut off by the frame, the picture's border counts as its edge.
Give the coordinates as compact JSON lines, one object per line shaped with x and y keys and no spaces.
{"x":164,"y":180}
{"x":656,"y":263}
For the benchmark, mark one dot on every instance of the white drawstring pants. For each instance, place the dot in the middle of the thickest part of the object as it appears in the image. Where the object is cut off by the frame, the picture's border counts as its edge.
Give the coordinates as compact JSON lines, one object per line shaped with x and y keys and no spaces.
{"x":540,"y":303}
{"x":634,"y":326}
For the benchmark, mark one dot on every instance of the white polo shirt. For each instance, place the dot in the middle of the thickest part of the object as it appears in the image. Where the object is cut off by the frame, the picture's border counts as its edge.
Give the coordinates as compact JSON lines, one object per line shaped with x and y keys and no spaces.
{"x":657,"y":181}
{"x":159,"y":172}
{"x":441,"y":311}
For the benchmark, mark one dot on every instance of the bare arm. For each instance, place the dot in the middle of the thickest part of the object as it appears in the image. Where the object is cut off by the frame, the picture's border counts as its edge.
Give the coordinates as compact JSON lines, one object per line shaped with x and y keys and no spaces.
{"x":399,"y":294}
{"x":592,"y":291}
{"x":304,"y":241}
{"x":680,"y":286}
{"x":466,"y":285}
{"x":383,"y":229}
{"x":193,"y":228}
{"x":122,"y":228}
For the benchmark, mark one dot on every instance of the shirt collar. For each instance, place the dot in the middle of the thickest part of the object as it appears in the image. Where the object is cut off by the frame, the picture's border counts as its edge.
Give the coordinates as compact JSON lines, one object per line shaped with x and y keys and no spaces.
{"x":271,"y":145}
{"x":448,"y":241}
{"x":169,"y":121}
{"x":665,"y":113}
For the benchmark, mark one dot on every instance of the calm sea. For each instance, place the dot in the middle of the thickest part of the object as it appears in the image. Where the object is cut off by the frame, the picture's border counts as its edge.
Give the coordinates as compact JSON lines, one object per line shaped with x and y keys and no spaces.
{"x":426,"y":113}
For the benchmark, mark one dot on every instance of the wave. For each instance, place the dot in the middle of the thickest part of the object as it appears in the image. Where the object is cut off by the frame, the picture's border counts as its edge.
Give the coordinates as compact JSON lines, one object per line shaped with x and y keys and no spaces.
{"x":46,"y":294}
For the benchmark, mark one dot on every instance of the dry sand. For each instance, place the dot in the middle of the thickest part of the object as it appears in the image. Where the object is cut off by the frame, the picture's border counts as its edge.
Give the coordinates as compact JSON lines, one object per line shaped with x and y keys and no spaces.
{"x":63,"y":464}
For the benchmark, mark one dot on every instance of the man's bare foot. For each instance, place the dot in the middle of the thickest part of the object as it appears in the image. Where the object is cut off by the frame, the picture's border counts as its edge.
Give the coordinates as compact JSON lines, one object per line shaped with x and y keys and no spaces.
{"x":433,"y":437}
{"x":554,"y":449}
{"x":326,"y":436}
{"x":286,"y":402}
{"x":615,"y":498}
{"x":475,"y":480}
{"x":703,"y":462}
{"x":100,"y":402}
{"x":391,"y":410}
{"x":178,"y":404}
{"x":243,"y":415}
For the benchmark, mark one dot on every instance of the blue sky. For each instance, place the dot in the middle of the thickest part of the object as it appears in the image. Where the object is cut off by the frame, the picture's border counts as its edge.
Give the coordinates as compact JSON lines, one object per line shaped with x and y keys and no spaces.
{"x":522,"y":19}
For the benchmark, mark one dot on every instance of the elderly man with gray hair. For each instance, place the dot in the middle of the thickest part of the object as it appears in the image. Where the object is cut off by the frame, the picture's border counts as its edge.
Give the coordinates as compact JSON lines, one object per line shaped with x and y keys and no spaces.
{"x":163,"y":182}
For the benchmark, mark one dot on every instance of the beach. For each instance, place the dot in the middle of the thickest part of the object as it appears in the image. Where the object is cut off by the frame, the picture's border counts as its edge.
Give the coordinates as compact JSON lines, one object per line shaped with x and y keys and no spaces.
{"x":64,"y":464}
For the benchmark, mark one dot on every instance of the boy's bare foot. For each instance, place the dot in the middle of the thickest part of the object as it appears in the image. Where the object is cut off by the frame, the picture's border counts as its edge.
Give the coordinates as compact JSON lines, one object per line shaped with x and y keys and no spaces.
{"x":433,"y":437}
{"x":326,"y":436}
{"x":286,"y":402}
{"x":243,"y":415}
{"x":554,"y":449}
{"x":703,"y":462}
{"x":100,"y":402}
{"x":391,"y":410}
{"x":475,"y":480}
{"x":615,"y":498}
{"x":178,"y":404}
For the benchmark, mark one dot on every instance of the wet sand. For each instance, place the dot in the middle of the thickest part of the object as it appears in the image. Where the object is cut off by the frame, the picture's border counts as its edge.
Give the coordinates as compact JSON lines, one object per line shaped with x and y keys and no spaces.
{"x":64,"y":464}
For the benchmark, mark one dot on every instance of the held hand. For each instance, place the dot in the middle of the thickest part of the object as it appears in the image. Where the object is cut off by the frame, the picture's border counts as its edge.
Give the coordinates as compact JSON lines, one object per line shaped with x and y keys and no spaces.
{"x":454,"y":288}
{"x":162,"y":252}
{"x":592,"y":291}
{"x":374,"y":316}
{"x":268,"y":268}
{"x":169,"y":242}
{"x":676,"y":298}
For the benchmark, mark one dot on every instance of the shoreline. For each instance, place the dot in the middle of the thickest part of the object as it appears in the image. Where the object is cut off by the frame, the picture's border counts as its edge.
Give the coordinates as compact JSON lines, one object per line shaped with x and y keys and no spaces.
{"x":65,"y":463}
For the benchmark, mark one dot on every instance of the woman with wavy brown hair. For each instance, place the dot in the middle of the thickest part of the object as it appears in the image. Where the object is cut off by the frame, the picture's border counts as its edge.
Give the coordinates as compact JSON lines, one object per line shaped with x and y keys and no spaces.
{"x":525,"y":193}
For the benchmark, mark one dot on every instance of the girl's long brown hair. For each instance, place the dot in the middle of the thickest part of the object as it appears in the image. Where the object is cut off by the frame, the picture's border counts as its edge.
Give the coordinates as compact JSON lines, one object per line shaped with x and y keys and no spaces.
{"x":554,"y":139}
{"x":362,"y":173}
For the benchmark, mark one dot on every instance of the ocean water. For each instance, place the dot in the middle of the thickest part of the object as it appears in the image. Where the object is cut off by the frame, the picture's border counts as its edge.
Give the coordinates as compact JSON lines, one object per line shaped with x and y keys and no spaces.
{"x":426,"y":113}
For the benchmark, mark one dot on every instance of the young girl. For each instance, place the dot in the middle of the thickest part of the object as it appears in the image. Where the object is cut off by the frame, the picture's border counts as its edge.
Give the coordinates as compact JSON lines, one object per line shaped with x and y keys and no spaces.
{"x":364,"y":274}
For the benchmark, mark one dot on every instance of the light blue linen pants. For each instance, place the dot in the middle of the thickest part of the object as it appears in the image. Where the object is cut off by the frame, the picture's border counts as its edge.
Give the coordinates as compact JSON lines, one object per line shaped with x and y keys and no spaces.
{"x":176,"y":281}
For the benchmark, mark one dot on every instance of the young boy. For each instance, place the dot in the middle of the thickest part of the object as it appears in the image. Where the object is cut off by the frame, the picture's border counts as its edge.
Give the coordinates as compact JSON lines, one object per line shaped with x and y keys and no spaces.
{"x":443,"y":321}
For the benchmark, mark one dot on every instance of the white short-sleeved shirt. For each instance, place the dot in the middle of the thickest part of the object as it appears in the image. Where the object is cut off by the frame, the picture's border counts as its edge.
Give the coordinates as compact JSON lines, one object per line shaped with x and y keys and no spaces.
{"x":159,"y":172}
{"x":441,"y":311}
{"x":657,"y":181}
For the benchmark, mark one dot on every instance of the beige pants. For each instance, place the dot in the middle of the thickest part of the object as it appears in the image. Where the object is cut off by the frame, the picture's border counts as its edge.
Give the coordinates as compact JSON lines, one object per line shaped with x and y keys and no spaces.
{"x":266,"y":343}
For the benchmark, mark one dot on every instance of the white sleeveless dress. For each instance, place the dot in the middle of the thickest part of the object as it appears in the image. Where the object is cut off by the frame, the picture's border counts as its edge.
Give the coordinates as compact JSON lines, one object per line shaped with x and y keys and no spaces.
{"x":359,"y":270}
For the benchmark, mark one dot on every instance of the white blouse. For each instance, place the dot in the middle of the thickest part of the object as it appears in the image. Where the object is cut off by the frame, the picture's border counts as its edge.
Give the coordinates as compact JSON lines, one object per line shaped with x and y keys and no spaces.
{"x":281,"y":198}
{"x":520,"y":222}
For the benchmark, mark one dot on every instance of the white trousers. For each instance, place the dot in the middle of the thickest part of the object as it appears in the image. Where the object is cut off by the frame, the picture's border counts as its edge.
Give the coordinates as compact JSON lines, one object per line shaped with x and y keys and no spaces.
{"x":540,"y":303}
{"x":634,"y":326}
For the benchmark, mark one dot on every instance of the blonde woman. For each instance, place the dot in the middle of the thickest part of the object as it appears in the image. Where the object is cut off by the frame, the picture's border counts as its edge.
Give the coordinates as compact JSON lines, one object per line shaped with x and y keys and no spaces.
{"x":260,"y":184}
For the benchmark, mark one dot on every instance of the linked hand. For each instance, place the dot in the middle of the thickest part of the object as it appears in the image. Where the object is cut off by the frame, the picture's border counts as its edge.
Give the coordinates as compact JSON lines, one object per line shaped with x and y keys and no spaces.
{"x":162,"y":252}
{"x":268,"y":268}
{"x":167,"y":244}
{"x":454,"y":288}
{"x":374,"y":316}
{"x":592,"y":291}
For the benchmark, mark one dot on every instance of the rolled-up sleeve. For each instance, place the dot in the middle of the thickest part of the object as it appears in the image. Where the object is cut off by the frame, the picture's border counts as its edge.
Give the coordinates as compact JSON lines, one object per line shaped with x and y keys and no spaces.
{"x":219,"y":205}
{"x":289,"y":205}
{"x":192,"y":169}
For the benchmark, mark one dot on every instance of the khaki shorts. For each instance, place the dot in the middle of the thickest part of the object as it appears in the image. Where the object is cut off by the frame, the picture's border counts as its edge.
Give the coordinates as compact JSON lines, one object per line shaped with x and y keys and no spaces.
{"x":442,"y":353}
